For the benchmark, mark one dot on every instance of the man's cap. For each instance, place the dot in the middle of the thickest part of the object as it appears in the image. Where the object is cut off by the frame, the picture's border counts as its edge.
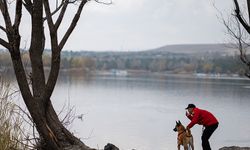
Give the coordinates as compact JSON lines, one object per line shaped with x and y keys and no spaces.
{"x":190,"y":106}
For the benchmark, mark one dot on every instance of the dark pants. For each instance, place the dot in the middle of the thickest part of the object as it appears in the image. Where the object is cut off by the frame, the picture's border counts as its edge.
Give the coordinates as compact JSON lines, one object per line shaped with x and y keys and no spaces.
{"x":208,"y":131}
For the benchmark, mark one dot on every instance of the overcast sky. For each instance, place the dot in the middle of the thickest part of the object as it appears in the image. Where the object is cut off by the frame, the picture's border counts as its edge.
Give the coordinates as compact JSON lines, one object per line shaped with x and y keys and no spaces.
{"x":129,"y":25}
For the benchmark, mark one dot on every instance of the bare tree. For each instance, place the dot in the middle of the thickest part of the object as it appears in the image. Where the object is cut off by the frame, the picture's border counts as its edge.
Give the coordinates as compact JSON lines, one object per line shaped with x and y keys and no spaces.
{"x":239,"y":29}
{"x":53,"y":134}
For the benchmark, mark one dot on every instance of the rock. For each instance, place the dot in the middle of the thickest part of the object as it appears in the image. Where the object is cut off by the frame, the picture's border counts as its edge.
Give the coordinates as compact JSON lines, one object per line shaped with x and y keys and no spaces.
{"x":110,"y":147}
{"x":77,"y":147}
{"x":235,"y":148}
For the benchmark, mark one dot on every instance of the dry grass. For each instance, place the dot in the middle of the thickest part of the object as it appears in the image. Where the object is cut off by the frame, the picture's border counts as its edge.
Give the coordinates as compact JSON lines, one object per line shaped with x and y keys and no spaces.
{"x":12,"y":135}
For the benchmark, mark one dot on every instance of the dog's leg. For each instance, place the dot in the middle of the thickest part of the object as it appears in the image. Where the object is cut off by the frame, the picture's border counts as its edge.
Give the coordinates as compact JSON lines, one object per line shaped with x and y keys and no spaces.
{"x":185,"y":147}
{"x":179,"y":147}
{"x":192,"y":143}
{"x":192,"y":146}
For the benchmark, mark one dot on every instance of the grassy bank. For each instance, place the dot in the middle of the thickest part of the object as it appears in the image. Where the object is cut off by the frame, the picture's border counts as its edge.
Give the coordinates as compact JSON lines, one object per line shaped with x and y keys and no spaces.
{"x":12,"y":133}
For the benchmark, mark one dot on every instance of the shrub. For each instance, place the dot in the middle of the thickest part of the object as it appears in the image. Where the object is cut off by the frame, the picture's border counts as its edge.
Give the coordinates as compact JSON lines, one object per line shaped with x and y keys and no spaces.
{"x":11,"y":124}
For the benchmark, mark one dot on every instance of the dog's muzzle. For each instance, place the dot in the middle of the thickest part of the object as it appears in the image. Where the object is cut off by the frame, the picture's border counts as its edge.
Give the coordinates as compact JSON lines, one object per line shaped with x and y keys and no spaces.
{"x":175,"y":130}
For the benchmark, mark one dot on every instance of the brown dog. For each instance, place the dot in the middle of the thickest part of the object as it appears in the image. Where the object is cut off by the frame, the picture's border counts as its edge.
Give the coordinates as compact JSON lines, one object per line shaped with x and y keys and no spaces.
{"x":184,"y":138}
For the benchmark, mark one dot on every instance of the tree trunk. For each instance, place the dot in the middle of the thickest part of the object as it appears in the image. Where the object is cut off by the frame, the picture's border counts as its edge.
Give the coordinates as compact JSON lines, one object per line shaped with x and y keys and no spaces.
{"x":32,"y":103}
{"x":53,"y":134}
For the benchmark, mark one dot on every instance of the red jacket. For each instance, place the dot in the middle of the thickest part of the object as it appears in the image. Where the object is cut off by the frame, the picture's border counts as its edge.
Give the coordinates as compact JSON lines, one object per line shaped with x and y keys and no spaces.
{"x":201,"y":117}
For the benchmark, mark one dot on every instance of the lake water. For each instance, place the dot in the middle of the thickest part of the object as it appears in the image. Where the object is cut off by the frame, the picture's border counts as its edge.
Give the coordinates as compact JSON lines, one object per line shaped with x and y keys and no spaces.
{"x":140,"y":112}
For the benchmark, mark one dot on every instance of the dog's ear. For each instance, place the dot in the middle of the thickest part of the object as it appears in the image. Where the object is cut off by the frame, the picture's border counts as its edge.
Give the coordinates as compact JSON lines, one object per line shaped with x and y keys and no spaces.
{"x":179,"y":122}
{"x":176,"y":122}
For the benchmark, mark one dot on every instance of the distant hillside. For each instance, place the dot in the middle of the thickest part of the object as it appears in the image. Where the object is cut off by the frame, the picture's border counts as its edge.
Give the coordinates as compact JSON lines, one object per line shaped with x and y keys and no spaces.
{"x":196,"y":48}
{"x":177,"y":49}
{"x":169,"y":51}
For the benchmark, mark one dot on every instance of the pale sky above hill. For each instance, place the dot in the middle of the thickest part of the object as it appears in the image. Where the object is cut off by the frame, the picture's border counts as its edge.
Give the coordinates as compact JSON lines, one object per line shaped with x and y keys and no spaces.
{"x":129,"y":25}
{"x":142,"y":24}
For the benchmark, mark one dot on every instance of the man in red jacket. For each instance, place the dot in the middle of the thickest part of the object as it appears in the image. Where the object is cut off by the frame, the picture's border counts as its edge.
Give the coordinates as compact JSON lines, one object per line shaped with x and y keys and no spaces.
{"x":205,"y":118}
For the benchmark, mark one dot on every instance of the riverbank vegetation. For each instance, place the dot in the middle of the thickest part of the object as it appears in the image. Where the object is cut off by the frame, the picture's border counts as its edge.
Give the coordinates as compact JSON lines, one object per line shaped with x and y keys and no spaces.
{"x":12,"y":132}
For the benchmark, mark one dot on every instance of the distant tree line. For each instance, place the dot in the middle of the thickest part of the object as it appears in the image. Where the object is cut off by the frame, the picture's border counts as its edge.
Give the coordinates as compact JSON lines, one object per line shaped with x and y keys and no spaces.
{"x":75,"y":62}
{"x":223,"y":64}
{"x":214,"y":63}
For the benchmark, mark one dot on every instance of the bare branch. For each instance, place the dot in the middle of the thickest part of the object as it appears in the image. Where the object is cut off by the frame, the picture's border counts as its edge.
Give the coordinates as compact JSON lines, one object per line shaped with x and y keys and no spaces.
{"x":4,"y":44}
{"x":59,"y":19}
{"x":69,"y":117}
{"x":2,"y":28}
{"x":73,"y":24}
{"x":55,"y":11}
{"x":238,"y":36}
{"x":241,"y":42}
{"x":240,"y":17}
{"x":30,"y":121}
{"x":238,"y":28}
{"x":18,"y":14}
{"x":28,"y":5}
{"x":230,"y":31}
{"x":105,"y":3}
{"x":56,"y":49}
{"x":48,"y":15}
{"x":5,"y":13}
{"x":72,"y":1}
{"x":248,"y":7}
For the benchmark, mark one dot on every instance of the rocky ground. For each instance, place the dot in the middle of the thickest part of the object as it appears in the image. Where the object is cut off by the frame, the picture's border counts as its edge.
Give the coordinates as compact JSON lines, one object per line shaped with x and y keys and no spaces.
{"x":235,"y":148}
{"x":113,"y":147}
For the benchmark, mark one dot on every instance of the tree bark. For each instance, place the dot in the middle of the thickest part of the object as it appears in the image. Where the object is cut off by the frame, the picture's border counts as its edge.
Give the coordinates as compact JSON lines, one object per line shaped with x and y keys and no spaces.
{"x":248,"y":8}
{"x":240,"y":17}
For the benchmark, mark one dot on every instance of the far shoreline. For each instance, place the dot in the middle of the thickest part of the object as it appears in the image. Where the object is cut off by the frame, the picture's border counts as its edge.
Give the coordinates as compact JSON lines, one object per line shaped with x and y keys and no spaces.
{"x":138,"y":73}
{"x":77,"y":72}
